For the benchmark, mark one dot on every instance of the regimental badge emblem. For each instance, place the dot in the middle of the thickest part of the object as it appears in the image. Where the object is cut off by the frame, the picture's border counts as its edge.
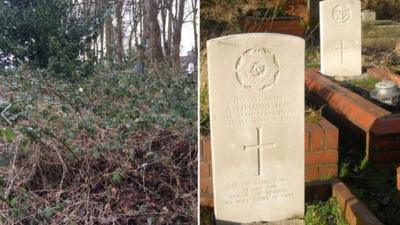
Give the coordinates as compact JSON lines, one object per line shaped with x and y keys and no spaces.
{"x":257,"y":69}
{"x":341,"y":13}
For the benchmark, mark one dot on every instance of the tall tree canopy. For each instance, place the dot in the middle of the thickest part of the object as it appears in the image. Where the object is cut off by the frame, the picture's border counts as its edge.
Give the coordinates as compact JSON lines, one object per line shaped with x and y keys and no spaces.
{"x":44,"y":32}
{"x":65,"y":34}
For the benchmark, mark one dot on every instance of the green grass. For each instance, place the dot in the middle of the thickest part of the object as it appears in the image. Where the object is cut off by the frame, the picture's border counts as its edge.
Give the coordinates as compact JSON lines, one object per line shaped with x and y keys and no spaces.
{"x":312,"y":57}
{"x":325,"y":213}
{"x":204,"y":111}
{"x":367,"y":83}
{"x":313,"y":115}
{"x":206,"y":216}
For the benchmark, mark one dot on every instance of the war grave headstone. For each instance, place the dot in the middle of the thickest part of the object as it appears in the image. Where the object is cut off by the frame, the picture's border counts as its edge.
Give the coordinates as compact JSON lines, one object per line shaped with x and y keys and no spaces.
{"x":256,"y":91}
{"x":340,"y":27}
{"x":368,"y":15}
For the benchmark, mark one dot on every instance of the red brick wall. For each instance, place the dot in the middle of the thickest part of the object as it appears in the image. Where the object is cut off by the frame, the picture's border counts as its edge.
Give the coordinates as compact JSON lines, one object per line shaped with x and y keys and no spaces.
{"x":398,"y":178}
{"x":291,"y":27}
{"x":321,"y":150}
{"x":321,"y":157}
{"x":385,"y":149}
{"x":206,"y":188}
{"x":298,"y":8}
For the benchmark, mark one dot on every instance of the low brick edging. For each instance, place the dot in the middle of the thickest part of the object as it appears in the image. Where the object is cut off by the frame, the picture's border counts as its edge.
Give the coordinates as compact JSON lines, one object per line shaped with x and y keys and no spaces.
{"x":351,"y":111}
{"x":398,"y":178}
{"x":289,"y":26}
{"x":321,"y":157}
{"x":352,"y":106}
{"x":321,"y":150}
{"x":206,"y":183}
{"x":355,"y":212}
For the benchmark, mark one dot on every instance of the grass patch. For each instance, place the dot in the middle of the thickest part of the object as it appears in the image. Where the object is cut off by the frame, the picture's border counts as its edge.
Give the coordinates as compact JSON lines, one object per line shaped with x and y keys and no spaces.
{"x":313,"y":115}
{"x":312,"y":57}
{"x":204,"y":111}
{"x":367,"y":83}
{"x":204,"y":100}
{"x":325,"y":213}
{"x":206,"y":216}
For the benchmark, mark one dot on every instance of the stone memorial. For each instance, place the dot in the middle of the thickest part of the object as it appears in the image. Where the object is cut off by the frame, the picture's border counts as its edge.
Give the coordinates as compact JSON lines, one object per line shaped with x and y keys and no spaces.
{"x":256,"y":90}
{"x":368,"y":15}
{"x":340,"y":27}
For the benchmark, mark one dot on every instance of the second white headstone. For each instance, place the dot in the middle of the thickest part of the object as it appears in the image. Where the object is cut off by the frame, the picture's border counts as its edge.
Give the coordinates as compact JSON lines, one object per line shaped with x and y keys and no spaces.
{"x":340,"y":27}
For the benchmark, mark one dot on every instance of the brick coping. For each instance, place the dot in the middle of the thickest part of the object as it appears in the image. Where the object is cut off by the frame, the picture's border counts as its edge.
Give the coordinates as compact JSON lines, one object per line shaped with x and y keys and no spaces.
{"x":364,"y":114}
{"x":355,"y":212}
{"x":398,"y":179}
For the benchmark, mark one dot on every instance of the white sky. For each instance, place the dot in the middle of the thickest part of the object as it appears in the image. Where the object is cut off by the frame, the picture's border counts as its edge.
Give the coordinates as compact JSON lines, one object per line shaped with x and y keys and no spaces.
{"x":187,"y":39}
{"x":187,"y":42}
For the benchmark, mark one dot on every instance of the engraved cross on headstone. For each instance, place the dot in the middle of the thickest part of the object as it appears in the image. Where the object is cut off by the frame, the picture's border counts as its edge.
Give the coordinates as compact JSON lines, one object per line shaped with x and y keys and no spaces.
{"x":259,"y":147}
{"x":342,"y":48}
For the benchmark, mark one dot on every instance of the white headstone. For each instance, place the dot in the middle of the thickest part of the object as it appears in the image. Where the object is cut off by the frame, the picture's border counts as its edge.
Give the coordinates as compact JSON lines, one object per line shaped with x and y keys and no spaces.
{"x":368,"y":15}
{"x":340,"y":22}
{"x":256,"y":89}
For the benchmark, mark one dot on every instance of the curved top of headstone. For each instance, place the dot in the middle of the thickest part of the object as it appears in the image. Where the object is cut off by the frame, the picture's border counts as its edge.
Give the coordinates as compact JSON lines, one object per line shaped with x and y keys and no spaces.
{"x":338,"y":1}
{"x":254,"y":35}
{"x":256,"y":58}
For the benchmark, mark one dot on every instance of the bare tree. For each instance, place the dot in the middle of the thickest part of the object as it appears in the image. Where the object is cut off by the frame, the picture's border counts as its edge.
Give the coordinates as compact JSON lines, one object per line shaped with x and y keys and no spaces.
{"x":108,"y":31}
{"x":177,"y":33}
{"x":119,"y":29}
{"x":150,"y":26}
{"x":152,"y":33}
{"x":194,"y":22}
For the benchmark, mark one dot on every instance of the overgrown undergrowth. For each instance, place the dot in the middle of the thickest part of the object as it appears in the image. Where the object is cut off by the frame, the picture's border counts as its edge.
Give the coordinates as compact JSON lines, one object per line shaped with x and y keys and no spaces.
{"x":116,"y":148}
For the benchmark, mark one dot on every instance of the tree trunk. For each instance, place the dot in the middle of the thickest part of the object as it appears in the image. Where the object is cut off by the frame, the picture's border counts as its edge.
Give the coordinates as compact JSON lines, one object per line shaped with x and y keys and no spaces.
{"x":109,"y":34}
{"x":194,"y":8}
{"x":119,"y":30}
{"x":177,"y":35}
{"x":152,"y":31}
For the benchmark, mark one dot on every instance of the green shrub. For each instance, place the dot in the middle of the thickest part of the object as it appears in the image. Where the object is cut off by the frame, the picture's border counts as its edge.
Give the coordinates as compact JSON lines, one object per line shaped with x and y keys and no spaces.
{"x":385,"y":9}
{"x":27,"y":35}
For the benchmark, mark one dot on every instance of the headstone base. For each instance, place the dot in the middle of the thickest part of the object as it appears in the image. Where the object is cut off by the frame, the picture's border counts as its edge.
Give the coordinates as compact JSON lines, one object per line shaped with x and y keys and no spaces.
{"x":282,"y":222}
{"x":347,"y":78}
